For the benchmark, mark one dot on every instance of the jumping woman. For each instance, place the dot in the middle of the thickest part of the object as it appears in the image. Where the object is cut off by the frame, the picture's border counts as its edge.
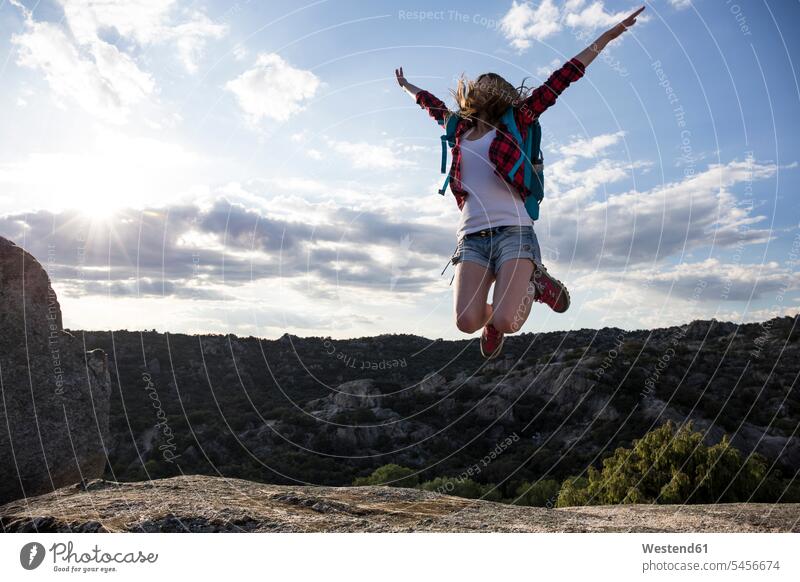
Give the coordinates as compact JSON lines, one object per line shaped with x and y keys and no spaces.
{"x":496,"y":240}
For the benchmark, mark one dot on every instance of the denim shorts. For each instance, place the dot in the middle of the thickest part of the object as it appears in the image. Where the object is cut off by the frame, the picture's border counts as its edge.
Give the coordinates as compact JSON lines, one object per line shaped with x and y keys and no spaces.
{"x":504,"y":244}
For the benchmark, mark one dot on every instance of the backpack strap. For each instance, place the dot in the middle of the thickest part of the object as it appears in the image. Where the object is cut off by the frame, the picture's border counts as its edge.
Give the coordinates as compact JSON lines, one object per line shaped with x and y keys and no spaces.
{"x":443,"y":189}
{"x":448,"y":139}
{"x":511,"y":124}
{"x":534,"y":178}
{"x":532,"y":146}
{"x":528,"y":157}
{"x":537,"y":139}
{"x":533,"y":154}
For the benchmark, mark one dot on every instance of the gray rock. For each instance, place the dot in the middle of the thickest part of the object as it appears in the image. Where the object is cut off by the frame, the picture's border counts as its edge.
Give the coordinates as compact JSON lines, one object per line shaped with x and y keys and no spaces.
{"x":55,"y":407}
{"x":357,"y":394}
{"x":433,"y":383}
{"x":493,"y":407}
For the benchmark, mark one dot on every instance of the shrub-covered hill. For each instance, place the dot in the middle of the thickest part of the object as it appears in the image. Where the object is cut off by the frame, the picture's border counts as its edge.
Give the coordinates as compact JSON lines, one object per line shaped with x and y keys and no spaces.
{"x":322,"y":411}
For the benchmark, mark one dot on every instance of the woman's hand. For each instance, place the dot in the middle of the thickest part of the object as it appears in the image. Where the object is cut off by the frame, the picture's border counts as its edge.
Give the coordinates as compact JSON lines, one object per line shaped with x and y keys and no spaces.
{"x":588,"y":54}
{"x":403,"y":82}
{"x":401,"y":79}
{"x":617,"y":30}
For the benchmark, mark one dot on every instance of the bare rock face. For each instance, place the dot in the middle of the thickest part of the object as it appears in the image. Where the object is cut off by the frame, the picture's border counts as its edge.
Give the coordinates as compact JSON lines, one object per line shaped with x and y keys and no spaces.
{"x":357,"y":394}
{"x":54,"y":408}
{"x":195,"y":503}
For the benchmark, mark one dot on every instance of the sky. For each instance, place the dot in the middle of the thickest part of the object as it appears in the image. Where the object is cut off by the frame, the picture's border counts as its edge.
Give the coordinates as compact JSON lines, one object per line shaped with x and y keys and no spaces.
{"x":253,"y":167}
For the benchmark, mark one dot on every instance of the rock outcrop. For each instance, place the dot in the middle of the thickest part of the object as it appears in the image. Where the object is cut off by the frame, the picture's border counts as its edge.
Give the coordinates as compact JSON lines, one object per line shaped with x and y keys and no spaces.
{"x":54,"y":410}
{"x":213,"y":504}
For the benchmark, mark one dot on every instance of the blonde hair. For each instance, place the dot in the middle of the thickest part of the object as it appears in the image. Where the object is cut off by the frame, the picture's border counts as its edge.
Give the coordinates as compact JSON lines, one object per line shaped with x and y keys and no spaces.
{"x":486,"y":97}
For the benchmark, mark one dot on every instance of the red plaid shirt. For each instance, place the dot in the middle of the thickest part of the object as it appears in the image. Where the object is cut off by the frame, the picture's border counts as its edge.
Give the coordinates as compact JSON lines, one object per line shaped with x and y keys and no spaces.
{"x":504,"y":150}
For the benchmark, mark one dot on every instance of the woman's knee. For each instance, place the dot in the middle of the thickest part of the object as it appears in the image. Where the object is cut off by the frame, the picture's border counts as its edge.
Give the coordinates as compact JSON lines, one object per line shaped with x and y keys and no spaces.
{"x":506,"y":322}
{"x":469,"y":322}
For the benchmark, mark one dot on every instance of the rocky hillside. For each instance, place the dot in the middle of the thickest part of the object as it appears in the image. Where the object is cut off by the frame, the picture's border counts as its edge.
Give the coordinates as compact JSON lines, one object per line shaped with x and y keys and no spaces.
{"x":209,"y":504}
{"x":54,"y":408}
{"x":322,"y":411}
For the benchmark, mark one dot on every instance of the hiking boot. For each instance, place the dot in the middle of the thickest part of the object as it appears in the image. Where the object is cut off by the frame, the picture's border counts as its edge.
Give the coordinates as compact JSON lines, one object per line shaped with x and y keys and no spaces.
{"x":491,"y":342}
{"x":549,"y":290}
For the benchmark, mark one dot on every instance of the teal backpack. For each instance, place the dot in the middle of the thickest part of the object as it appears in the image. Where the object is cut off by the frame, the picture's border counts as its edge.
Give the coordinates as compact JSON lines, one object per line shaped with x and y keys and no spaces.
{"x":534,"y":169}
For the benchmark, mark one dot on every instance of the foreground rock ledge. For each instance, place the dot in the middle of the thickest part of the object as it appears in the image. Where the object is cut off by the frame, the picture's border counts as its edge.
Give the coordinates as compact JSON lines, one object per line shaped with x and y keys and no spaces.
{"x":214,"y":504}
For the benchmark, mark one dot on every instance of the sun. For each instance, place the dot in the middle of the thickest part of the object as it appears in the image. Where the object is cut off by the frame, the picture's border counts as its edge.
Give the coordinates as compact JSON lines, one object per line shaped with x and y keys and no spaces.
{"x":99,"y":212}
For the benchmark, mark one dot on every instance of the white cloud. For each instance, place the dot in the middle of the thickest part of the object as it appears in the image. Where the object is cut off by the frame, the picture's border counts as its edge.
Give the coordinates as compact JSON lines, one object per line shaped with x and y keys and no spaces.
{"x":190,"y":38}
{"x":720,"y":280}
{"x":273,"y":89}
{"x":570,"y":187}
{"x":680,"y":4}
{"x":370,"y":246}
{"x":147,"y":22}
{"x":637,"y":227}
{"x":80,"y":65}
{"x":115,"y":170}
{"x":137,"y":19}
{"x":659,"y":296}
{"x":299,"y":184}
{"x":572,"y":183}
{"x":526,"y":22}
{"x":593,"y":146}
{"x":758,"y":315}
{"x":240,"y":52}
{"x":367,"y":155}
{"x":545,"y":71}
{"x":593,"y":16}
{"x":100,"y":79}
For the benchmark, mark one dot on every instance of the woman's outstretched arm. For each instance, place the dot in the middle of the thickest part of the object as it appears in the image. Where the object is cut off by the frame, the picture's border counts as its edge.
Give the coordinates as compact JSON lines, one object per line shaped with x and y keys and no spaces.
{"x":543,"y":97}
{"x":430,"y":103}
{"x":588,"y":54}
{"x":404,"y":84}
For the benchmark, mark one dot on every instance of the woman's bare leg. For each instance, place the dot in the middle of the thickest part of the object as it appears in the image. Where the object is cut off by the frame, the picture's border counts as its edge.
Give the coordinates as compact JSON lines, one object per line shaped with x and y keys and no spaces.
{"x":472,"y":290}
{"x":511,"y":302}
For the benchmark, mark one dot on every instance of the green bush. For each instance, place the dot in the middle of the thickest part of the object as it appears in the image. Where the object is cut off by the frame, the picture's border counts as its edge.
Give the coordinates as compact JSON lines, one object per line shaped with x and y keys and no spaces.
{"x":392,"y":475}
{"x":573,"y":492}
{"x":539,"y":494}
{"x":670,"y":465}
{"x":462,"y":488}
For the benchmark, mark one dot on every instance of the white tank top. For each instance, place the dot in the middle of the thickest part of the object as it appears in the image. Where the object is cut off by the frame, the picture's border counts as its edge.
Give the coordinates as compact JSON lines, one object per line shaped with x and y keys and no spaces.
{"x":490,"y":200}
